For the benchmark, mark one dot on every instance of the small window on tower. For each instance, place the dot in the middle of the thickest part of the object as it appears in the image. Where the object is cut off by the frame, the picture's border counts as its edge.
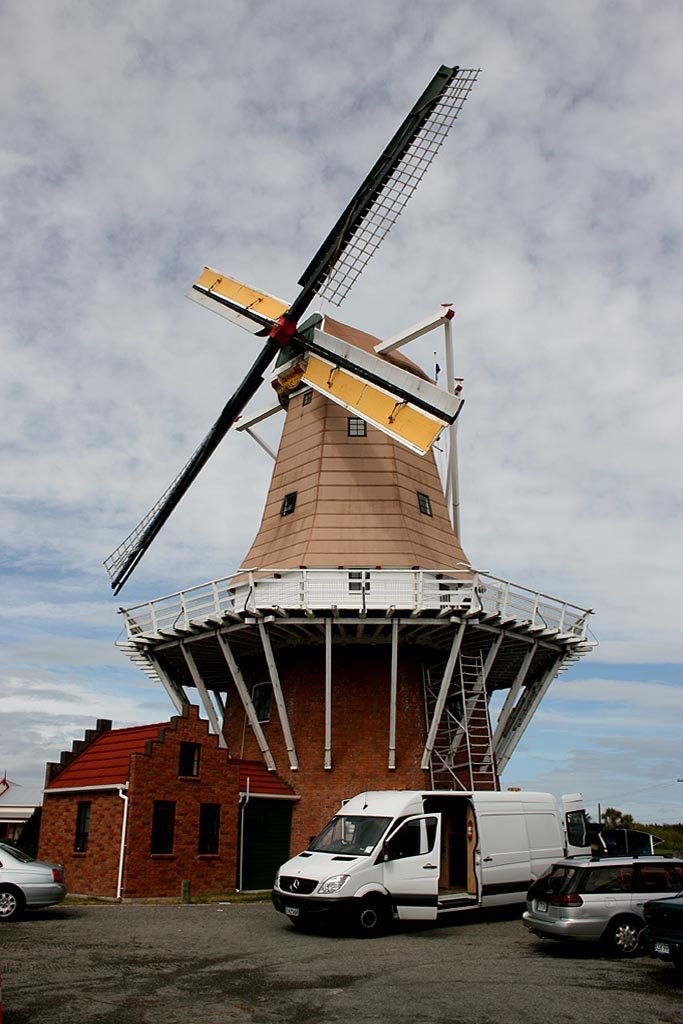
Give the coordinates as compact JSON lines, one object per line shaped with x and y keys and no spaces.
{"x":424,"y":503}
{"x":288,"y":504}
{"x":307,"y":398}
{"x":262,"y":698}
{"x":357,"y":427}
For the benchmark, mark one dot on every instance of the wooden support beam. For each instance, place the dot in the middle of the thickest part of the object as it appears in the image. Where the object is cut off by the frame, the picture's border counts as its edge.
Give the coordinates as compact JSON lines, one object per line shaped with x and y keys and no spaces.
{"x":247,"y":702}
{"x":279,"y":699}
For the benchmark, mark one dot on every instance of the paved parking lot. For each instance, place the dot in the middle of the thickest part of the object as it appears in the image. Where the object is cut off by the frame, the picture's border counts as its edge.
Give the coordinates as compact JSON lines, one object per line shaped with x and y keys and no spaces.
{"x":213,"y":964}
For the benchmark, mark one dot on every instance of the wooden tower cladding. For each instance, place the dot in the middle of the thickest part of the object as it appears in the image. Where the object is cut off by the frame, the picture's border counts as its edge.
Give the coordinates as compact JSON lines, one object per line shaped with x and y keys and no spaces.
{"x":358,"y":497}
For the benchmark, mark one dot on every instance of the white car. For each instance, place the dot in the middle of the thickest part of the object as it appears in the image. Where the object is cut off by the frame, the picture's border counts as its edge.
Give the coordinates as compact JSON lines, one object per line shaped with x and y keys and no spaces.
{"x":26,"y":883}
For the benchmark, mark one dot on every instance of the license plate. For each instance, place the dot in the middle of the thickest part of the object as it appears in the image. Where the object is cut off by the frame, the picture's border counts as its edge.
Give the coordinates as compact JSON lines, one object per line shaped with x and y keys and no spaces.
{"x":662,"y":947}
{"x":292,"y":911}
{"x":541,"y":906}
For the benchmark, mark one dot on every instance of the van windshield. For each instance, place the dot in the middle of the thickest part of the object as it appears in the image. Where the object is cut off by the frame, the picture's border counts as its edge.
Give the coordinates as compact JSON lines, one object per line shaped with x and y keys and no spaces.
{"x":353,"y":834}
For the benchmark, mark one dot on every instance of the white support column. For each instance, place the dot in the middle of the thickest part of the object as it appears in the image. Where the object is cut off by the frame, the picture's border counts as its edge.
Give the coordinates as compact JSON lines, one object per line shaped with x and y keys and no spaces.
{"x":259,"y":441}
{"x":245,"y":697}
{"x":328,"y":694}
{"x":176,"y":693}
{"x":513,"y":692}
{"x":452,"y":485}
{"x":529,"y":703}
{"x":204,"y":696}
{"x":277,"y":693}
{"x":392,"y":694}
{"x":441,"y":699}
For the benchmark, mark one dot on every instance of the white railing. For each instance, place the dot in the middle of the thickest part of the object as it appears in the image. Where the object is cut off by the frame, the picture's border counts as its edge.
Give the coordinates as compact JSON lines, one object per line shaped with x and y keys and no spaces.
{"x":361,"y":590}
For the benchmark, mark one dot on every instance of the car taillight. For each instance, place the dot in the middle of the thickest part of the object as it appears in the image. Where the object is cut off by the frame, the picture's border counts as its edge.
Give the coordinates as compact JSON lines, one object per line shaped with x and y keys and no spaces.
{"x":57,"y":875}
{"x":570,"y":899}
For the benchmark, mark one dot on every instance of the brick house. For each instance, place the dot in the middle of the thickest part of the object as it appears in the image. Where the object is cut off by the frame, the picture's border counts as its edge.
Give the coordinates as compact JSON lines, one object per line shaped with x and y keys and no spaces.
{"x":133,"y":812}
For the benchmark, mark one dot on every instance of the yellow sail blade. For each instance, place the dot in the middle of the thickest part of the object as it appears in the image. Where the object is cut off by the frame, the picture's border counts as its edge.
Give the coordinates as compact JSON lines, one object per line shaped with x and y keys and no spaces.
{"x":413,"y":427}
{"x":248,"y":307}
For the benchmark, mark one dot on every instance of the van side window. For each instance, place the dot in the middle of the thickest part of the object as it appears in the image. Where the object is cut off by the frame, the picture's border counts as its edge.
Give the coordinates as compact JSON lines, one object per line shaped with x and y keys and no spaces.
{"x":412,"y":839}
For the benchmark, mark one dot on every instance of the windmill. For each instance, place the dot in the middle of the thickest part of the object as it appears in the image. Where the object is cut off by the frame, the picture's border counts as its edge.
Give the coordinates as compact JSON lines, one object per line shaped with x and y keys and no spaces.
{"x":412,"y":411}
{"x":355,"y":646}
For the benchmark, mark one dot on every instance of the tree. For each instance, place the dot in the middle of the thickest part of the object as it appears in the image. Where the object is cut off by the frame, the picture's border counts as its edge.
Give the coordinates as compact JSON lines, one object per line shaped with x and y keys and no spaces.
{"x":614,"y":818}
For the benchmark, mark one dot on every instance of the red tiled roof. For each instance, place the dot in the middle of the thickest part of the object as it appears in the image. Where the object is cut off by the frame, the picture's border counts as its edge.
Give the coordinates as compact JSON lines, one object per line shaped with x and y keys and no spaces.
{"x":106,"y":760}
{"x":262,"y":781}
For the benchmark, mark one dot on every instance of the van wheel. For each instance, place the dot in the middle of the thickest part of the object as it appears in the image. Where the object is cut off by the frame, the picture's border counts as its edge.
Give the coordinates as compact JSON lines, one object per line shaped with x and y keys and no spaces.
{"x":624,"y":936}
{"x":11,"y":903}
{"x":372,"y":917}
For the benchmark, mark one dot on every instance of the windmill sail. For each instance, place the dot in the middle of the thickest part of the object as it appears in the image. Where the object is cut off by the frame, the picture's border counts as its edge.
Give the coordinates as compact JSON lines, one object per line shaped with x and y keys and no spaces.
{"x":401,"y":404}
{"x":253,"y":310}
{"x":336,"y":266}
{"x":382,"y":197}
{"x":123,"y":560}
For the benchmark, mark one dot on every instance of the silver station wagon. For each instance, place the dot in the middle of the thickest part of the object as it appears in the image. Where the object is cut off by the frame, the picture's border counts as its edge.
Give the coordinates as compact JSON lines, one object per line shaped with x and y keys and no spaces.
{"x":26,"y":883}
{"x":600,"y":900}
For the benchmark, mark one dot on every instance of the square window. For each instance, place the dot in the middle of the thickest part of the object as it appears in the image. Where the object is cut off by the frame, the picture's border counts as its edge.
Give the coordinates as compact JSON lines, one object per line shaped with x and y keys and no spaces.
{"x":82,"y":826}
{"x":424,"y":503}
{"x":357,"y":427}
{"x":307,"y":398}
{"x":288,"y":504}
{"x":359,"y":581}
{"x":188,"y":760}
{"x":209,"y":828}
{"x":163,"y":826}
{"x":262,"y":699}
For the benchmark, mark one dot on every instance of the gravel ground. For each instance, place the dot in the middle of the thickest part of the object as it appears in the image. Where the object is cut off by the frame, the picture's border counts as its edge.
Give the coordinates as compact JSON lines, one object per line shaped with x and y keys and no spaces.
{"x":220,"y":963}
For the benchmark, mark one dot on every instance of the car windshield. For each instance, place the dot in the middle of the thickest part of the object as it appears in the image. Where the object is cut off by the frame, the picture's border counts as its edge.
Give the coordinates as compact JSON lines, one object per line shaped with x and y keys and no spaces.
{"x":353,"y":834}
{"x":14,"y":852}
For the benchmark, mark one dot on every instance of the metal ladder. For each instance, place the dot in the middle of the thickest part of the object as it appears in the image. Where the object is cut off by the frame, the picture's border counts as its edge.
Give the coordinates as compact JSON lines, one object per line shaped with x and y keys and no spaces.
{"x":462,"y":757}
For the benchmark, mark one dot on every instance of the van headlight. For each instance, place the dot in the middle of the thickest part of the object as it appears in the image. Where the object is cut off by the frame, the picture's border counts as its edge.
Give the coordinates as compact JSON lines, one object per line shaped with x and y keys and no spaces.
{"x":332,"y":884}
{"x":276,"y":883}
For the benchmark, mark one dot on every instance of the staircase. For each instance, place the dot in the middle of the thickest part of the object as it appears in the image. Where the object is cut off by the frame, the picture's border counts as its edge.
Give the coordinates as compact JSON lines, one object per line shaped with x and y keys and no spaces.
{"x":462,"y":757}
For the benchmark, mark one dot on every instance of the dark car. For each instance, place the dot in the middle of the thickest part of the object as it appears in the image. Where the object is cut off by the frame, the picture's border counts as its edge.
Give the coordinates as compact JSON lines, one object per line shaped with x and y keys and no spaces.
{"x":600,"y":900}
{"x":665,"y":926}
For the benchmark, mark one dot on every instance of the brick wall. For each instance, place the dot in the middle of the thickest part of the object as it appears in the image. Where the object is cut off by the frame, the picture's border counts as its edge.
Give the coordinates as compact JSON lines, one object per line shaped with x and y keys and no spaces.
{"x":360,"y":728}
{"x":154,"y":776}
{"x":94,"y":872}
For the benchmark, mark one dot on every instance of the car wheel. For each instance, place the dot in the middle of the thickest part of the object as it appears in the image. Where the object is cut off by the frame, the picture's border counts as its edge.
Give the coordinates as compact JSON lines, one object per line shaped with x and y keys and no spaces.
{"x":11,"y":904}
{"x":372,"y":917}
{"x":624,"y":936}
{"x":677,"y":959}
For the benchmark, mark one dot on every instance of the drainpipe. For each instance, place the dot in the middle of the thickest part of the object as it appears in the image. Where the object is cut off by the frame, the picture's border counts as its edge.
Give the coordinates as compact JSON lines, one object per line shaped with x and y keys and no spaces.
{"x":244,"y":805}
{"x":122,"y":849}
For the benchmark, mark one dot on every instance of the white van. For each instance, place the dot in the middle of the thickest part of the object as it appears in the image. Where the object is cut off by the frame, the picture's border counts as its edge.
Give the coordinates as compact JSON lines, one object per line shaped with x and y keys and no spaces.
{"x":418,"y":855}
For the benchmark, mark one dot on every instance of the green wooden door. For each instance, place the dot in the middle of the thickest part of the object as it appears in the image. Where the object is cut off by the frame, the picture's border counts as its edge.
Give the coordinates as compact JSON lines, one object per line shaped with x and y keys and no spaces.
{"x":267,"y":826}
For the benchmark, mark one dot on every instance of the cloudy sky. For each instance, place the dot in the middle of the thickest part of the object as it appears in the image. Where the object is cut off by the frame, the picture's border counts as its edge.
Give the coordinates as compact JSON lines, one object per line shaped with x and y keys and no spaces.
{"x":141,"y":141}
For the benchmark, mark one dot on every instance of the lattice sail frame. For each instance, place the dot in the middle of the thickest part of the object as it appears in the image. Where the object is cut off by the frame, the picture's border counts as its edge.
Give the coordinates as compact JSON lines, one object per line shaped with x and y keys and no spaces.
{"x":387,"y":207}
